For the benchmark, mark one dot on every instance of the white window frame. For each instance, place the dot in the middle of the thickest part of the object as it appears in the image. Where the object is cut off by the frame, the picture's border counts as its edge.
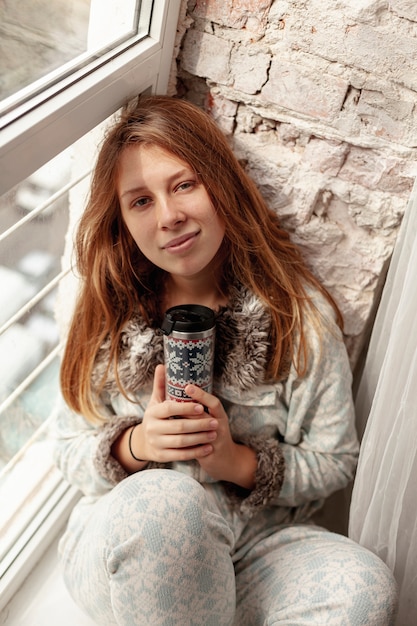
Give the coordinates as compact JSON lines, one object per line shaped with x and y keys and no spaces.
{"x":35,"y":135}
{"x":29,"y":141}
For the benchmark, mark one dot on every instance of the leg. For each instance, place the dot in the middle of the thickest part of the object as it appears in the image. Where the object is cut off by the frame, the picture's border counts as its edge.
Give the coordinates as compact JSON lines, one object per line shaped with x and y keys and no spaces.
{"x":304,"y":575}
{"x":152,"y":552}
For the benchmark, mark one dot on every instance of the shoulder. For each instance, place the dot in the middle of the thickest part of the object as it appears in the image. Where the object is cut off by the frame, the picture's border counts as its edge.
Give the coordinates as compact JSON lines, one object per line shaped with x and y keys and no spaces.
{"x":320,"y":304}
{"x":326,"y":348}
{"x":319,"y":320}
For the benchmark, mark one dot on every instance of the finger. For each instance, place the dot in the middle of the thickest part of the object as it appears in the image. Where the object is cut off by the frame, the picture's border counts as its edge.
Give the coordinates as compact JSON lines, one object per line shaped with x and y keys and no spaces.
{"x":189,"y":425}
{"x":169,"y":409}
{"x":212,"y":403}
{"x":189,"y":440}
{"x":158,"y":390}
{"x":187,"y":454}
{"x":184,"y":409}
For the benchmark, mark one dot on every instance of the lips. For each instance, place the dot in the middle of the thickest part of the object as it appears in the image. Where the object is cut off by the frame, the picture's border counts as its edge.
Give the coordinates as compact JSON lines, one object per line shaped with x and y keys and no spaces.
{"x":179,"y":241}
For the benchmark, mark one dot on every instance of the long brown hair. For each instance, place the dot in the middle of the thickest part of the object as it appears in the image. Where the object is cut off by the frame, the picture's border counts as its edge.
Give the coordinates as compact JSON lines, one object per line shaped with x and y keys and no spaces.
{"x":116,"y":277}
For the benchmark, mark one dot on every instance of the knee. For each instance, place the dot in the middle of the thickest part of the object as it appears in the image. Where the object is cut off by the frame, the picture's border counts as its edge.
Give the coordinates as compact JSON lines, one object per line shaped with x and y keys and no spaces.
{"x":364,"y":586}
{"x":342,"y":577}
{"x":158,"y":487}
{"x":165,"y":516}
{"x":158,"y":498}
{"x":377,"y":601}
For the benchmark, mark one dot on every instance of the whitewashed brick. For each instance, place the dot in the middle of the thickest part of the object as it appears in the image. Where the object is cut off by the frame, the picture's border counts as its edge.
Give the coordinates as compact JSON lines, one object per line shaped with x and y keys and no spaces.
{"x":326,"y":157}
{"x":364,"y":10}
{"x":223,"y":112}
{"x":206,"y":55}
{"x":384,"y":52}
{"x":249,"y":69}
{"x":404,"y":8}
{"x":249,"y":14}
{"x":373,"y":170}
{"x":294,"y":87}
{"x":341,"y":34}
{"x":390,"y":118}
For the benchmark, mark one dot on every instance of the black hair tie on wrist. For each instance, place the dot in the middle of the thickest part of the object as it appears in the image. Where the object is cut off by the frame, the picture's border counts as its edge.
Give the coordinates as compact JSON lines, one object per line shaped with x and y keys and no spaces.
{"x":130,"y":446}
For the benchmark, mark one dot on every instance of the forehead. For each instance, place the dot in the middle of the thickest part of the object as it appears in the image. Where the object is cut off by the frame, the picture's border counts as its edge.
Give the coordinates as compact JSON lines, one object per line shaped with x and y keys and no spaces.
{"x":144,"y":158}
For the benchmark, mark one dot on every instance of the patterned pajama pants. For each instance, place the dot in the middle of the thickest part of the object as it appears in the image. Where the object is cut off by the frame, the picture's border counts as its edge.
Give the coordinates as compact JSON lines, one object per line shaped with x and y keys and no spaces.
{"x":159,"y":550}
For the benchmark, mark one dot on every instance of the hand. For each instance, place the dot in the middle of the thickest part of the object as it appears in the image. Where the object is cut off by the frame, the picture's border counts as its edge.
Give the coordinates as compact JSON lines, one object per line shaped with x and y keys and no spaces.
{"x":162,"y":439}
{"x":229,"y":461}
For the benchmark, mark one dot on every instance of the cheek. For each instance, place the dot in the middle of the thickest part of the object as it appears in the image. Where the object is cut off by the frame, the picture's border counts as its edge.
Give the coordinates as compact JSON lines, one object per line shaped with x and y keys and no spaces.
{"x":143,"y":243}
{"x":138,"y":230}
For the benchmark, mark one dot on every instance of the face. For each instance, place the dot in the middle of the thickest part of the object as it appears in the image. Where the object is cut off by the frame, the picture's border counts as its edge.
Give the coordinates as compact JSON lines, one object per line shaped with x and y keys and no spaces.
{"x":168,"y":212}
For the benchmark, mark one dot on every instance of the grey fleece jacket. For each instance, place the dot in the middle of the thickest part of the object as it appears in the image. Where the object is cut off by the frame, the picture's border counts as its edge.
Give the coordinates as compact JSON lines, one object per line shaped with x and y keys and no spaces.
{"x":301,"y":428}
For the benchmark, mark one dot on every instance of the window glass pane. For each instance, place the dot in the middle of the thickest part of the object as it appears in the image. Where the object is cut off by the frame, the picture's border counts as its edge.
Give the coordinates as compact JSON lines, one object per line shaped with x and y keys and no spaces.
{"x":33,"y":223}
{"x":37,"y":37}
{"x":42,"y":41}
{"x":32,"y":226}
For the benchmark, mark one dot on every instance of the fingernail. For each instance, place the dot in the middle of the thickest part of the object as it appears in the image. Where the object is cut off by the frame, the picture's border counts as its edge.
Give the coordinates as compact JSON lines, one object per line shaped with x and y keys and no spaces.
{"x":190,"y":389}
{"x":213,"y":423}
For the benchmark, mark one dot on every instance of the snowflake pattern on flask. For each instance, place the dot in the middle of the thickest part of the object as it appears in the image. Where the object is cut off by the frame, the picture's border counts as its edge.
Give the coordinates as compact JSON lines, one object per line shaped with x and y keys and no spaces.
{"x":188,"y":361}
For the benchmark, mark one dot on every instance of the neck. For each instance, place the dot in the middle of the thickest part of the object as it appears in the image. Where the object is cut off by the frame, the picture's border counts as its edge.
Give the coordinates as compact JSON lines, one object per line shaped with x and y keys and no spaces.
{"x":190,"y":291}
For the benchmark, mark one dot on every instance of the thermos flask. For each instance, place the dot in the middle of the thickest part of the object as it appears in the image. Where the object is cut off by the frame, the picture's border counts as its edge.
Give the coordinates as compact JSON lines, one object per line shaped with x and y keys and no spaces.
{"x":189,"y":337}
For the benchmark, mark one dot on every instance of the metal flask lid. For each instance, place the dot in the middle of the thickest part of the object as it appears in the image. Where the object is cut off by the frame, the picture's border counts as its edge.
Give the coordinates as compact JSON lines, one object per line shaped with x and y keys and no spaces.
{"x":188,"y":318}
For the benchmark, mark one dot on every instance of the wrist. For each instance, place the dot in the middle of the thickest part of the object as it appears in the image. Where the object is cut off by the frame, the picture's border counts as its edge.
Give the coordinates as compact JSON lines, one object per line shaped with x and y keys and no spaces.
{"x":130,"y":445}
{"x":127,"y":450}
{"x":244,"y":466}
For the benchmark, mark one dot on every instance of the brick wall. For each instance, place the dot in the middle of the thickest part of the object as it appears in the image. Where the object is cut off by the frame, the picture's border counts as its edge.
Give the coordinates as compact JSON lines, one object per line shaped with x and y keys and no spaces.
{"x":319,"y":101}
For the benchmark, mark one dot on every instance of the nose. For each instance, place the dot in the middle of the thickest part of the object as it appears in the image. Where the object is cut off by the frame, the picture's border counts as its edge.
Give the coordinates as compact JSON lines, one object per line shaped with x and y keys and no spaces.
{"x":169,"y":214}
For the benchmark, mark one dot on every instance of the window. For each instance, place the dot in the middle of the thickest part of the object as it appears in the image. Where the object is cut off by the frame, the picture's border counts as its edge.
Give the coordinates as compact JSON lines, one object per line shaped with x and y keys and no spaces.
{"x":44,"y":41}
{"x":47,"y":120}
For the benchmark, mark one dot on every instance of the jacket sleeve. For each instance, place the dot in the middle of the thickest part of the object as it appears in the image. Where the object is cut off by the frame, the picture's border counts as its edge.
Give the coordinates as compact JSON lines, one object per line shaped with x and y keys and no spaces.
{"x":82,"y":450}
{"x":319,"y":440}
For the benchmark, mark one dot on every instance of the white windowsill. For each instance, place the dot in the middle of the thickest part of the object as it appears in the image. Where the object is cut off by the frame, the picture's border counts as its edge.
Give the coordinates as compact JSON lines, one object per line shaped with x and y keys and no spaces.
{"x":43,"y":599}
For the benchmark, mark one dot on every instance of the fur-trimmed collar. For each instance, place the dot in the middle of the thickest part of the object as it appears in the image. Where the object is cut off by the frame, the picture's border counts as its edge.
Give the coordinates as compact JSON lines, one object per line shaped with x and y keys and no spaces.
{"x":242,"y":330}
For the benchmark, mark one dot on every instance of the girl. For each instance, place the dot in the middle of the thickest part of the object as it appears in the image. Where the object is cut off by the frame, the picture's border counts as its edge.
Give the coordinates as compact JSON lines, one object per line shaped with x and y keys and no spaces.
{"x":204,"y":519}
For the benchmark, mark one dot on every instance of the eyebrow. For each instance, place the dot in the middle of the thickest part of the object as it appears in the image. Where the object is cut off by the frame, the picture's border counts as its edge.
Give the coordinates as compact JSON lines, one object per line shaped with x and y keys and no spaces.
{"x":170,"y":180}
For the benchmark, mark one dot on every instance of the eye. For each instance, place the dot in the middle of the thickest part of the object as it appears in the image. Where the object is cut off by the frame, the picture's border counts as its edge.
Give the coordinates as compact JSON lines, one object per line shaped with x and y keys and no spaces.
{"x":141,"y":202}
{"x":188,"y":184}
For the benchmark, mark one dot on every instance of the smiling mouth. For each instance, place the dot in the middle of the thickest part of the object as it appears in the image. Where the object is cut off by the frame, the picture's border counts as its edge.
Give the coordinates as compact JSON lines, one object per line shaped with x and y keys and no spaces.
{"x":180,"y":241}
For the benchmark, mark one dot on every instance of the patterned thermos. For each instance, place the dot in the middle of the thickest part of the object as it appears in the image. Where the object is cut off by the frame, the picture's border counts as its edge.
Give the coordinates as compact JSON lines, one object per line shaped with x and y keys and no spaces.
{"x":189,"y":335}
